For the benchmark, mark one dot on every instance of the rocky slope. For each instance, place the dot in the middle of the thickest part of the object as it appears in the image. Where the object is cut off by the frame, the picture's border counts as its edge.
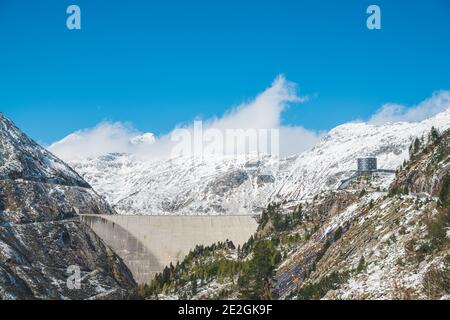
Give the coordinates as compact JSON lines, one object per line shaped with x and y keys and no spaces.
{"x":246,"y":184}
{"x":357,"y":243}
{"x":40,"y":237}
{"x":21,"y":158}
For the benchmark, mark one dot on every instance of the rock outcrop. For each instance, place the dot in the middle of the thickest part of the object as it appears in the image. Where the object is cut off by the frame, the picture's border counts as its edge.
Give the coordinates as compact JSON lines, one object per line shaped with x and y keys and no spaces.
{"x":42,"y":243}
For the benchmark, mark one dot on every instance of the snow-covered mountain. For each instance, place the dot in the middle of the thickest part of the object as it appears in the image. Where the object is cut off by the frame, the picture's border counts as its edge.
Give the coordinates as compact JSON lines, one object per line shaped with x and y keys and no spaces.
{"x":21,"y":157}
{"x":24,"y":162}
{"x":246,"y":184}
{"x":40,"y":237}
{"x":356,"y":243}
{"x":333,"y":158}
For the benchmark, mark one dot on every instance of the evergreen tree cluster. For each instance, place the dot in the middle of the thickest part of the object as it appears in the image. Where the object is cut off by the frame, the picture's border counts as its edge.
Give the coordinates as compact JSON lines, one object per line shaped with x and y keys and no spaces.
{"x":316,"y":291}
{"x":280,"y":221}
{"x":255,"y":281}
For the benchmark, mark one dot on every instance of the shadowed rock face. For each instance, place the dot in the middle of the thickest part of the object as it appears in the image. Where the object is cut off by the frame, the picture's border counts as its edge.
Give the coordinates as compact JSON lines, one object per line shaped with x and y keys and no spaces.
{"x":35,"y":259}
{"x":39,"y":240}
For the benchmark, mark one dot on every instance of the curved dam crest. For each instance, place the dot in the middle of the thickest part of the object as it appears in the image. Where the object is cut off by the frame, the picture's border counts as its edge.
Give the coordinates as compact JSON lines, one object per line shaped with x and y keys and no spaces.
{"x":149,"y":243}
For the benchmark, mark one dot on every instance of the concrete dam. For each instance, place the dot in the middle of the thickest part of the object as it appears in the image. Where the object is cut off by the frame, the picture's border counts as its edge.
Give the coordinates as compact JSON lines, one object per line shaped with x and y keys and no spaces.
{"x":149,"y":243}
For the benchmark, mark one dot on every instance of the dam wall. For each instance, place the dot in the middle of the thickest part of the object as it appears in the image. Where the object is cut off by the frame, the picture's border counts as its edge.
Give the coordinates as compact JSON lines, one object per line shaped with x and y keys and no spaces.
{"x":149,"y":243}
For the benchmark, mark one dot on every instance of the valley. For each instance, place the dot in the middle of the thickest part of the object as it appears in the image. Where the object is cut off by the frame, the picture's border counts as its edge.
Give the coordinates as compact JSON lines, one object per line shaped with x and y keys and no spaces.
{"x":307,"y":226}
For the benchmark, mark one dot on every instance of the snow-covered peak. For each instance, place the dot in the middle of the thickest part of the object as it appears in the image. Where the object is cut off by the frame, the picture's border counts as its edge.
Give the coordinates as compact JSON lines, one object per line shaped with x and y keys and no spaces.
{"x":146,"y":139}
{"x":334,"y":157}
{"x":362,"y":129}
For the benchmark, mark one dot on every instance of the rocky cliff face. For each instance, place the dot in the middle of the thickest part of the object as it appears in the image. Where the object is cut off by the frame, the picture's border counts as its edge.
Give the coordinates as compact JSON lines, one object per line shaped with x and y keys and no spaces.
{"x":40,"y":236}
{"x":425,"y":174}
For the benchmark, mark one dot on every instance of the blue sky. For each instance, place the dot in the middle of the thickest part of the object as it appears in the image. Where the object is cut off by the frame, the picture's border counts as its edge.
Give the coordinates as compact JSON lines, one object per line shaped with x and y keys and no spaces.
{"x":160,"y":63}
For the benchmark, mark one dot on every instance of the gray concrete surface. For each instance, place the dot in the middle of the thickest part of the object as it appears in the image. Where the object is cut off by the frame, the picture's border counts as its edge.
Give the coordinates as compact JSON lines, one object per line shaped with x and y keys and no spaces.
{"x":149,"y":243}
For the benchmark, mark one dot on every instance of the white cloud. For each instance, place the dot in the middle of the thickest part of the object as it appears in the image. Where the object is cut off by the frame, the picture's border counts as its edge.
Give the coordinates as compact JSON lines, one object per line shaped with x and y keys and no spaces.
{"x":294,"y":140}
{"x":106,"y":137}
{"x":263,"y":112}
{"x":438,"y":102}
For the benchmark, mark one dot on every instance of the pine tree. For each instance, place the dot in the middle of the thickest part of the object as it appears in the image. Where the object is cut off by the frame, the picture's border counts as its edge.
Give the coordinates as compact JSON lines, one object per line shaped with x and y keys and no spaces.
{"x":257,"y":281}
{"x":417,"y":146}
{"x":434,"y":135}
{"x":194,"y":287}
{"x":361,"y":265}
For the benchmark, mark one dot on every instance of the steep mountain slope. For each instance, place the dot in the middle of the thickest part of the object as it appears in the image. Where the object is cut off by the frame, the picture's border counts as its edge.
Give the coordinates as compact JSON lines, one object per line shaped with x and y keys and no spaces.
{"x":246,"y":184}
{"x":357,"y":243}
{"x":40,"y":237}
{"x":396,"y":246}
{"x":21,"y":158}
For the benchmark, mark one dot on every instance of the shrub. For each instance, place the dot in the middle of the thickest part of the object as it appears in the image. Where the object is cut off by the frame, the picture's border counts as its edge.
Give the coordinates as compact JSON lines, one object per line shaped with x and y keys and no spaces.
{"x":436,"y":282}
{"x":437,"y":230}
{"x":317,"y":291}
{"x":398,"y":190}
{"x":338,"y":234}
{"x":444,"y":195}
{"x":361,"y":265}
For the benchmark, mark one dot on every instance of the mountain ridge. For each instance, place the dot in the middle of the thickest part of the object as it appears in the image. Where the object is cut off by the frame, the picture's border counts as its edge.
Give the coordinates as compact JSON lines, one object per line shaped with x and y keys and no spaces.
{"x":22,"y":158}
{"x":246,"y":184}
